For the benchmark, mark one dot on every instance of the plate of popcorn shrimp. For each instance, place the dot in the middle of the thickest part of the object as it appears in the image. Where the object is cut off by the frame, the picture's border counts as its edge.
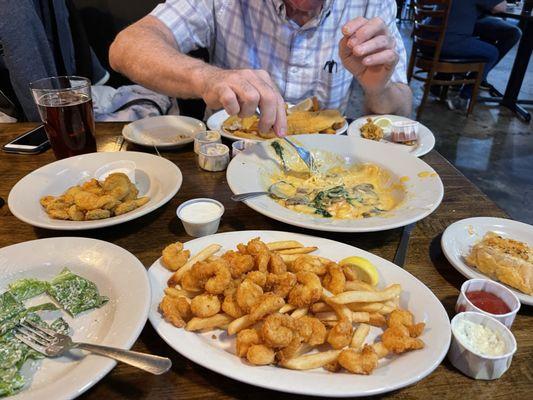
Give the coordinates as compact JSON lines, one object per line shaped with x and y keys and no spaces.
{"x":297,"y":313}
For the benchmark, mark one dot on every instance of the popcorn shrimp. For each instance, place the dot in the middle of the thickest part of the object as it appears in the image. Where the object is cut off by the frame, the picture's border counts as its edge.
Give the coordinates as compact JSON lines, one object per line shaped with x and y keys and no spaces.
{"x":205,"y":305}
{"x":175,"y":310}
{"x":267,"y":304}
{"x":259,"y":354}
{"x":309,"y":264}
{"x":334,"y":280}
{"x":280,"y":284}
{"x":278,"y":330}
{"x":340,"y":335}
{"x":174,"y":256}
{"x":307,"y":291}
{"x":247,"y":295}
{"x":245,"y":339}
{"x":359,"y":362}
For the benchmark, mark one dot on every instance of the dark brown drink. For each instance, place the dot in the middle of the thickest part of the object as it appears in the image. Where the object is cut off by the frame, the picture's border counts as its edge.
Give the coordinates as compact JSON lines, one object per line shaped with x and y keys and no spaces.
{"x":66,"y":108}
{"x":69,"y":123}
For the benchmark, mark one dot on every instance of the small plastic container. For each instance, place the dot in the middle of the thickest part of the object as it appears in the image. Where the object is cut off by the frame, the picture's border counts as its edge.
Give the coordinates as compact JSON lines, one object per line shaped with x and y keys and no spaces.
{"x":205,"y":138}
{"x":404,"y":131}
{"x":464,"y":304}
{"x":196,"y":222}
{"x":475,"y":365}
{"x":213,"y":157}
{"x":239,"y":146}
{"x":124,"y":166}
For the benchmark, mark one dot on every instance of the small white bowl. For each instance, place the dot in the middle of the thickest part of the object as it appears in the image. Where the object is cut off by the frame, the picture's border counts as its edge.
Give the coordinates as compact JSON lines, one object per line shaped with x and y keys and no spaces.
{"x":203,"y":228}
{"x":475,"y":365}
{"x":205,"y":138}
{"x":464,"y":304}
{"x":216,"y":161}
{"x":239,"y":146}
{"x":404,"y":131}
{"x":124,"y":166}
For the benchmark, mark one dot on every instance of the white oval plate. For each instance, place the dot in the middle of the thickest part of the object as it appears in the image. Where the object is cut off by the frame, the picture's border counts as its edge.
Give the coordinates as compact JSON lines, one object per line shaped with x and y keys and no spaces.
{"x":460,"y":236}
{"x":114,"y":324}
{"x":155,"y":177}
{"x":163,"y":131}
{"x":392,"y":373}
{"x":426,"y":139}
{"x":215,"y":121}
{"x":247,"y":172}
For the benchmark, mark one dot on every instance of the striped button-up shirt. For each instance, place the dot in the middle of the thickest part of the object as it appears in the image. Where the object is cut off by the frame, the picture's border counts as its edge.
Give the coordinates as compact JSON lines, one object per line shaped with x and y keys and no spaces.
{"x":302,"y":60}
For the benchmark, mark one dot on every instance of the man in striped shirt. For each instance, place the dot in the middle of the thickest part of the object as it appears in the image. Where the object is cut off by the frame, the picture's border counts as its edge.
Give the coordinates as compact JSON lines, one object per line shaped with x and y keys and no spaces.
{"x":263,"y":53}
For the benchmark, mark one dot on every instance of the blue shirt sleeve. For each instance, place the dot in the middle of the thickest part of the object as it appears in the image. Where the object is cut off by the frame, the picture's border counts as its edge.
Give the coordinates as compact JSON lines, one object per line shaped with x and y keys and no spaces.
{"x":486,"y":4}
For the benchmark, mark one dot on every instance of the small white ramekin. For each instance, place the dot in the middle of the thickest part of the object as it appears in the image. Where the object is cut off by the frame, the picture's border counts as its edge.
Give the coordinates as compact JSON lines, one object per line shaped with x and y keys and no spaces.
{"x":203,"y":228}
{"x":213,"y":162}
{"x":486,"y":285}
{"x":239,"y":146}
{"x":202,"y":138}
{"x":475,"y":365}
{"x":404,"y":131}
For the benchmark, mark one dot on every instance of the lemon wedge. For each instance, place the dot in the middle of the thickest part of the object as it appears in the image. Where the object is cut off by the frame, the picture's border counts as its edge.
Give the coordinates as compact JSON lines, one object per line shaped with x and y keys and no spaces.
{"x":366,"y":271}
{"x":383,"y":122}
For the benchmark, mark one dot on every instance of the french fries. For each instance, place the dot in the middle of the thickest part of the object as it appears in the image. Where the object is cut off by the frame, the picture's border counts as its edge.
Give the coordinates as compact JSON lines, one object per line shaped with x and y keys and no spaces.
{"x":256,"y":302}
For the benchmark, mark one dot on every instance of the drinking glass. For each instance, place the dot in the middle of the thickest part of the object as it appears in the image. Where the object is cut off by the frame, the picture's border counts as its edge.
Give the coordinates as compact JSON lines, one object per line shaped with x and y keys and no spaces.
{"x":66,"y":109}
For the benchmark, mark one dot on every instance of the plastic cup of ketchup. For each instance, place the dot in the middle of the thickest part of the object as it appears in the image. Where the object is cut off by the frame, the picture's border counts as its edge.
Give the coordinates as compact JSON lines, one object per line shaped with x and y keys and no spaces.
{"x":489,"y":298}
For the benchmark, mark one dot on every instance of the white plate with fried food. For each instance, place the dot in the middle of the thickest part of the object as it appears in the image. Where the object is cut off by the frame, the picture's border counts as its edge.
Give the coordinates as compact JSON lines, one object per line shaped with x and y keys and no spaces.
{"x":165,"y":132}
{"x":495,"y":248}
{"x":361,"y":185}
{"x":423,"y":145}
{"x":112,"y":324}
{"x":75,"y":193}
{"x":261,"y":294}
{"x":307,"y":119}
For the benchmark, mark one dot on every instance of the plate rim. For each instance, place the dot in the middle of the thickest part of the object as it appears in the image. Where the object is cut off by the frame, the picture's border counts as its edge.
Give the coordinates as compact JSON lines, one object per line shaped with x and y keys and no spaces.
{"x":211,"y":125}
{"x":331,"y":228}
{"x":104,"y":222}
{"x":107,"y":363}
{"x":351,"y":131}
{"x":467,"y":271}
{"x":164,"y":145}
{"x":230,"y":374}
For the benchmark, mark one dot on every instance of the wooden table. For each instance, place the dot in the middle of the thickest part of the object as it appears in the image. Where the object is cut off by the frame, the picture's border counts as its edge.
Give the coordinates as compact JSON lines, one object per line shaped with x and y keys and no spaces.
{"x":145,"y":237}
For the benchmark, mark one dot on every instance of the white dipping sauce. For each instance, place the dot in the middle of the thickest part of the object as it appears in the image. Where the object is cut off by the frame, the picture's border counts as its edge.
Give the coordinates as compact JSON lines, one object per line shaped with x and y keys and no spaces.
{"x":479,"y":339}
{"x":200,"y":212}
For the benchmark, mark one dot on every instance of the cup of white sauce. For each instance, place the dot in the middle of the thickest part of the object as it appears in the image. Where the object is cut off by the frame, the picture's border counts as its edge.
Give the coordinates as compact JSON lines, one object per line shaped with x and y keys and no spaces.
{"x":200,"y":217}
{"x":481,"y":347}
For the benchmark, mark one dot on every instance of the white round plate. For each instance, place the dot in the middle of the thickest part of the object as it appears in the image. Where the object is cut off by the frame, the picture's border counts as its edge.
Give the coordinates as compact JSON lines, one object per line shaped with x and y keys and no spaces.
{"x":155,"y":177}
{"x":460,"y":236}
{"x":249,"y":172}
{"x":114,"y":324}
{"x":216,"y":120}
{"x":392,"y":373}
{"x":163,"y":131}
{"x":426,"y":139}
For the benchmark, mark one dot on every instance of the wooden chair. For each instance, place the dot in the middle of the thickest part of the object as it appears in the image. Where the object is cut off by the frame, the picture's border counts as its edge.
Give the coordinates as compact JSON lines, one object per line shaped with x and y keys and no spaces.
{"x":428,"y":38}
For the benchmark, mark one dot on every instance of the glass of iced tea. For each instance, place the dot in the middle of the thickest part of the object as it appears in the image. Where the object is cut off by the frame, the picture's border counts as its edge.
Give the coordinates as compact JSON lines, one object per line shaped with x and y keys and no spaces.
{"x":66,"y":108}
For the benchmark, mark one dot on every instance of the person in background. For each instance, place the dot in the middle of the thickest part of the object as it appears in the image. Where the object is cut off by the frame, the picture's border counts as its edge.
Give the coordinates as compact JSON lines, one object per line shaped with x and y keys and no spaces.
{"x":264,"y":53}
{"x":473,"y":34}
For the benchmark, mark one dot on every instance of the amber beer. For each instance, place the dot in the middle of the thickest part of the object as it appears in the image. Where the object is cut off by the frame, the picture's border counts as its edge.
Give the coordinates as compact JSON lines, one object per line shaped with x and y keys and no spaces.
{"x":66,"y":108}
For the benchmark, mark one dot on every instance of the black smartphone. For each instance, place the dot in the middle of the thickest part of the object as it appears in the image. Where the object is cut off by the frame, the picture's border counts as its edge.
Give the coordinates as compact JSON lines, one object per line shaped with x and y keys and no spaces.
{"x":31,"y":142}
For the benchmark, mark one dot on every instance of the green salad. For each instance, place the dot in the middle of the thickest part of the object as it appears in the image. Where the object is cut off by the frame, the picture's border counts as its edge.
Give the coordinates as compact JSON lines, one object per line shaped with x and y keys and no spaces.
{"x":72,"y":293}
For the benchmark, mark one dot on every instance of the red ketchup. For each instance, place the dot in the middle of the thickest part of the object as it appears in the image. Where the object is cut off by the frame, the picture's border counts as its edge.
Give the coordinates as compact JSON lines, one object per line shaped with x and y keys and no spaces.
{"x":488,"y":302}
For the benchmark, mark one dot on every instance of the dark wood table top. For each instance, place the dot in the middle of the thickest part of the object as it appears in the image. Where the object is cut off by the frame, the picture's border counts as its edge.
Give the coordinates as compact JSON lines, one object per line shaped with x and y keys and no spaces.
{"x":145,"y":237}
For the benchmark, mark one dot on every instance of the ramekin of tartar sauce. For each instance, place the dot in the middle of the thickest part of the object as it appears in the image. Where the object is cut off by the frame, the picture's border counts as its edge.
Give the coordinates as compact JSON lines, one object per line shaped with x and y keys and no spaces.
{"x":490,"y":298}
{"x":481,"y":347}
{"x":200,"y":217}
{"x":206,"y":137}
{"x":213,"y":157}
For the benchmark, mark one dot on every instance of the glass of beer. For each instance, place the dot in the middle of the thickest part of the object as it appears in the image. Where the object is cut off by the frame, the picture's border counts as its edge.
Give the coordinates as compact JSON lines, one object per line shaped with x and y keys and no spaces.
{"x":66,"y":108}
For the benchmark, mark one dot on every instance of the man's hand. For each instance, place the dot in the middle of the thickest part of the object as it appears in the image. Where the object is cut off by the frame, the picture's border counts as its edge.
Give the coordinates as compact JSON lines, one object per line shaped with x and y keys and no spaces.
{"x":367,"y":50}
{"x":241,"y":91}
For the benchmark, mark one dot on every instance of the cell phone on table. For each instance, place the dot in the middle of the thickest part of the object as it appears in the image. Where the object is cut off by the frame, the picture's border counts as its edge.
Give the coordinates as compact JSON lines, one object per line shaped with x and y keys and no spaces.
{"x":31,"y":142}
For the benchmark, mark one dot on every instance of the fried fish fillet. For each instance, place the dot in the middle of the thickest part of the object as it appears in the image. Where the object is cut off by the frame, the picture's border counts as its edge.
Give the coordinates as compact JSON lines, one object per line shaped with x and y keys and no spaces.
{"x":506,"y":260}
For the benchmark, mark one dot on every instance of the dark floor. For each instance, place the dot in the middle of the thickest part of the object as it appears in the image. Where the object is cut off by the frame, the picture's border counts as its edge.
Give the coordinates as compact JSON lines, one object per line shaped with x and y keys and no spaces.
{"x":492,"y":147}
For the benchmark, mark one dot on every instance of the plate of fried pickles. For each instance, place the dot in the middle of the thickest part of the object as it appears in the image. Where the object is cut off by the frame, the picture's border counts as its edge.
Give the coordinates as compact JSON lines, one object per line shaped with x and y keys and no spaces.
{"x":94,"y":190}
{"x":292,"y":313}
{"x":303,"y":118}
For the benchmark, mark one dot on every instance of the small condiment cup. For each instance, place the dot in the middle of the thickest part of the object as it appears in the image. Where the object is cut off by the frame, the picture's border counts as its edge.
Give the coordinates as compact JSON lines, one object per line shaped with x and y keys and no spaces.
{"x":125,"y":166}
{"x":205,"y":138}
{"x":213,"y":162}
{"x":404,"y":131}
{"x":486,"y":285}
{"x":239,"y":146}
{"x":475,"y":365}
{"x":198,"y":229}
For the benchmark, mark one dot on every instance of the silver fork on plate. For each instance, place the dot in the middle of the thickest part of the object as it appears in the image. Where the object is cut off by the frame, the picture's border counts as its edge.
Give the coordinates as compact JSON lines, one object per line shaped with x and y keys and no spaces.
{"x":304,"y":154}
{"x":53,"y":344}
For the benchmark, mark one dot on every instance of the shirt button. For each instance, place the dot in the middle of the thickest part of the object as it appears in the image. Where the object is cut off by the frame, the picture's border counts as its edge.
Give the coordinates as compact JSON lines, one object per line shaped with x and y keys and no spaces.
{"x":294,"y":70}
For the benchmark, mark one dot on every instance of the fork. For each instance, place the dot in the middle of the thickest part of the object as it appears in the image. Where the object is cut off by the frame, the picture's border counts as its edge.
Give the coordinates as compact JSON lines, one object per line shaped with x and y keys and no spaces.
{"x":53,"y":344}
{"x":304,"y":154}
